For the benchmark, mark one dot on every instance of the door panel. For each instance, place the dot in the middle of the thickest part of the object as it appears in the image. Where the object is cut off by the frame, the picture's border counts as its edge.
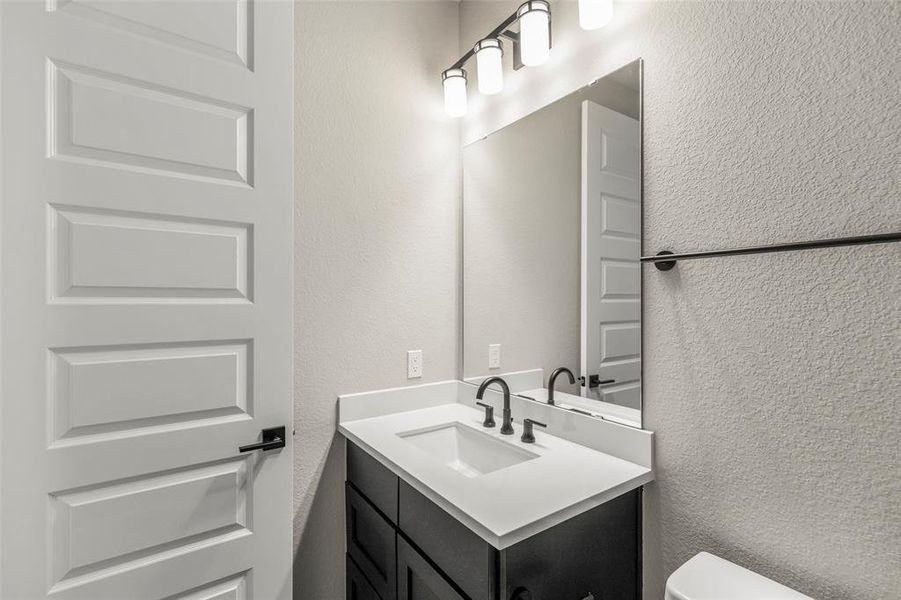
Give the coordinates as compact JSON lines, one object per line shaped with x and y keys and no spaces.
{"x":219,"y":29}
{"x":149,"y":515}
{"x":146,"y":301}
{"x":113,"y":120}
{"x":232,"y":588}
{"x":111,"y":389}
{"x":156,"y":257}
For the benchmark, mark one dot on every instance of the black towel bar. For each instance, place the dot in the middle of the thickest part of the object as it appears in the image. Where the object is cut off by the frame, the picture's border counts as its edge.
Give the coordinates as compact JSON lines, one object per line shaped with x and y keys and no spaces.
{"x":666,"y":260}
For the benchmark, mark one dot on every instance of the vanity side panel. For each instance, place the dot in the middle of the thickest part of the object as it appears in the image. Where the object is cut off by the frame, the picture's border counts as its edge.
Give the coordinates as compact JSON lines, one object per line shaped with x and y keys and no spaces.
{"x":594,"y":552}
{"x":468,"y":560}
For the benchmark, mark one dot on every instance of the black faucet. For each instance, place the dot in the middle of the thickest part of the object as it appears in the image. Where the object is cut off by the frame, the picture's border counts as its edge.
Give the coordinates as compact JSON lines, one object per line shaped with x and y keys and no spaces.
{"x":553,"y":380}
{"x":507,"y":427}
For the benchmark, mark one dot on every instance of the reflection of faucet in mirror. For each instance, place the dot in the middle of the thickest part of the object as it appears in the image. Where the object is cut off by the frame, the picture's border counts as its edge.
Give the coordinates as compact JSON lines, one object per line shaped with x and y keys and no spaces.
{"x":553,"y":380}
{"x":507,"y":427}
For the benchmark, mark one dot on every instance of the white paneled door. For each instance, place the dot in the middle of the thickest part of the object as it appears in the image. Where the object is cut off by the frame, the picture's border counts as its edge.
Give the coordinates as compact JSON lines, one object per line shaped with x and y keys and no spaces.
{"x":611,"y":244}
{"x":146,"y":304}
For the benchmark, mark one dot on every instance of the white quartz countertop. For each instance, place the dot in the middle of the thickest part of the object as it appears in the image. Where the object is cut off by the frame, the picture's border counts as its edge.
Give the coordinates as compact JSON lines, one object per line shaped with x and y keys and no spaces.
{"x":507,"y":505}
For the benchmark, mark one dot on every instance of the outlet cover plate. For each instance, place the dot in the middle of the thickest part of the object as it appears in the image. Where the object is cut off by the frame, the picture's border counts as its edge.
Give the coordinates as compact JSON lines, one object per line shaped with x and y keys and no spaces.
{"x":414,"y":364}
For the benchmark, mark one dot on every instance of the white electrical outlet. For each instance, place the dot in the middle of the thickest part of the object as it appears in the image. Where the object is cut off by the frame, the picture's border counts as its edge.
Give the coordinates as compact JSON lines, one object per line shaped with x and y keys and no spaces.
{"x":414,"y":364}
{"x":494,"y":356}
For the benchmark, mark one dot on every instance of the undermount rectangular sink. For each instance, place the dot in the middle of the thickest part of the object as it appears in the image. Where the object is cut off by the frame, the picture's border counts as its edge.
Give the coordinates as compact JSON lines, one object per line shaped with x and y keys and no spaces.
{"x":465,"y":450}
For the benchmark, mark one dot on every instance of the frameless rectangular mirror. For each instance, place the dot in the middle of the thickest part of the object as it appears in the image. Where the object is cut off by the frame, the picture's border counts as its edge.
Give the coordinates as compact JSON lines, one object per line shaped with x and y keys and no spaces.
{"x":551,"y":242}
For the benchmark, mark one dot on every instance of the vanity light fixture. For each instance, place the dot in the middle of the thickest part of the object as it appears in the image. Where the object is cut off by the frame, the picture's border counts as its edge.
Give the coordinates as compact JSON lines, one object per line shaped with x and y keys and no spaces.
{"x":454,"y":81}
{"x":594,"y":14}
{"x":490,"y":65}
{"x":531,"y":47}
{"x":534,"y":32}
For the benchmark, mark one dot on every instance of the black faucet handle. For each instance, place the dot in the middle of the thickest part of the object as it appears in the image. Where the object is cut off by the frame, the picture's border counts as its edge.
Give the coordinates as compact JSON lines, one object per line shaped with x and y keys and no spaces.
{"x":489,"y":415}
{"x":527,"y":436}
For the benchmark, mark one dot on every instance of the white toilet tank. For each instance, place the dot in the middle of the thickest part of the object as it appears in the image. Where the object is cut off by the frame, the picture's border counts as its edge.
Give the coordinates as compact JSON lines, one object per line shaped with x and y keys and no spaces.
{"x":709,"y":577}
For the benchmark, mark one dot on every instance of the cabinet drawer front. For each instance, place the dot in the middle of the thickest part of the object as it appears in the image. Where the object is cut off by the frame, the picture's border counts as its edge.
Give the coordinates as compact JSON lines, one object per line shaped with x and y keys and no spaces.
{"x":358,"y":588}
{"x":417,"y":579}
{"x":372,"y":478}
{"x":468,"y":560}
{"x":371,"y":543}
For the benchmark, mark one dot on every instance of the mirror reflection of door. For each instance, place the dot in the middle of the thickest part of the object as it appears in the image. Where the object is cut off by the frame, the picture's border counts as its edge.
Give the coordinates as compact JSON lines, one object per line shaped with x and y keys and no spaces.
{"x":611,"y":245}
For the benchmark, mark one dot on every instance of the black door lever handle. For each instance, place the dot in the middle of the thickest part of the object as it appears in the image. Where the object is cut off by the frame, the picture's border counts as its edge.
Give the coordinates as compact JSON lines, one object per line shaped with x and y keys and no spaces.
{"x":594,"y":381}
{"x":273,"y":438}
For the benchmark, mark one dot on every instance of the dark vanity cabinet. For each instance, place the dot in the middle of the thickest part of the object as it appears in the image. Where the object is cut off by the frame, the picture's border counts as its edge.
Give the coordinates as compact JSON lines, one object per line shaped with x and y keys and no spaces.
{"x":403,"y":546}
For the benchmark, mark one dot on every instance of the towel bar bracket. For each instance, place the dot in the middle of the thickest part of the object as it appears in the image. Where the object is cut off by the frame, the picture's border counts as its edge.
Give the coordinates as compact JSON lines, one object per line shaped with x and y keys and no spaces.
{"x":665,"y":265}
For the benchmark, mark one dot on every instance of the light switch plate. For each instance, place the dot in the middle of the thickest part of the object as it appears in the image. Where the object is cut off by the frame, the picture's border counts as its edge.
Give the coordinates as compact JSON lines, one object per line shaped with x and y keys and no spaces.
{"x":414,"y":364}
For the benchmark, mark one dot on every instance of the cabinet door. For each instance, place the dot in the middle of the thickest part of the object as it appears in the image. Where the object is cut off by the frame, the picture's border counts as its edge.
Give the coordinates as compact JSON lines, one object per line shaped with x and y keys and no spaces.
{"x":370,"y":542}
{"x":358,"y":588}
{"x":467,"y":560}
{"x":417,"y":579}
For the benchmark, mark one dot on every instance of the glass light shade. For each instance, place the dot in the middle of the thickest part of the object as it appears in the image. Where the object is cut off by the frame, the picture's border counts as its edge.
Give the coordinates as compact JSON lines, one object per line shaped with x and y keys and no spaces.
{"x":534,"y":32}
{"x":594,"y":14}
{"x":489,"y":60}
{"x":454,"y":81}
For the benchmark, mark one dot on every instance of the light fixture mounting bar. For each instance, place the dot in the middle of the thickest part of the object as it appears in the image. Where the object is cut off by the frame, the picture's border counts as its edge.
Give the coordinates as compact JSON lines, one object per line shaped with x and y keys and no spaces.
{"x":517,"y":56}
{"x":499,"y":31}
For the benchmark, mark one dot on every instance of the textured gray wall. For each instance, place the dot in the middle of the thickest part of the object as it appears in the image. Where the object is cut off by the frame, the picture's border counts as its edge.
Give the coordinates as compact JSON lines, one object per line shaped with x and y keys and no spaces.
{"x":773,"y":382}
{"x":377,"y":236}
